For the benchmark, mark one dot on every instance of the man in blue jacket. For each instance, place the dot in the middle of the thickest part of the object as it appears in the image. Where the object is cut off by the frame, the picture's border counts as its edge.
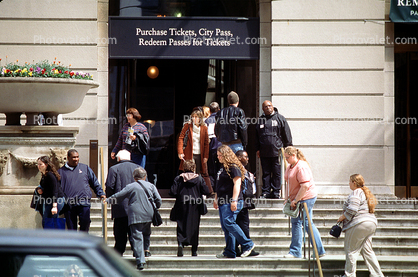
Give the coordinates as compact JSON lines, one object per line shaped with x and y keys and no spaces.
{"x":76,"y":180}
{"x":273,"y":133}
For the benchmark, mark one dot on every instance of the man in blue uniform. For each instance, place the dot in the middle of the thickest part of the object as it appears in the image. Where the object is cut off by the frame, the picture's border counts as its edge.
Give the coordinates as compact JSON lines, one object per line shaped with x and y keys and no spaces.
{"x":76,"y":180}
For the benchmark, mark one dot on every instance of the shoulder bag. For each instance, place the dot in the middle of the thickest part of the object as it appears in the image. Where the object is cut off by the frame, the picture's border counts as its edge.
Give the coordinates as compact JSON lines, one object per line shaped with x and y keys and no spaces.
{"x":156,"y":218}
{"x":287,"y":208}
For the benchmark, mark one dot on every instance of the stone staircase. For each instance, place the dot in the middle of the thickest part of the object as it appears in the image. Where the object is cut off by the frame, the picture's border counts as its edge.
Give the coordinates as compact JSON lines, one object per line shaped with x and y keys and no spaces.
{"x":395,"y":243}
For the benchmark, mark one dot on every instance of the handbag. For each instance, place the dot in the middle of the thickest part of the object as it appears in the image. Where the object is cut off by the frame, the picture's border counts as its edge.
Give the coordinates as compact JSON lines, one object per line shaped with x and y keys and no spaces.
{"x":203,"y":209}
{"x":173,"y":212}
{"x":336,"y":230}
{"x":288,"y":211}
{"x":156,"y":217}
{"x":186,"y":137}
{"x":54,"y":223}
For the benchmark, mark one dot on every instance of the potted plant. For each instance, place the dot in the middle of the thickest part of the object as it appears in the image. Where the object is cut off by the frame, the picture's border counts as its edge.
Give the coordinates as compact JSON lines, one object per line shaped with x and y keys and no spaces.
{"x":41,"y":88}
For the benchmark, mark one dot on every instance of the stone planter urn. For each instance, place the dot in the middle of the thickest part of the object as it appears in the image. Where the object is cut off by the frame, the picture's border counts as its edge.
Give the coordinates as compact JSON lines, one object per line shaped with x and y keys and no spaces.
{"x":46,"y":96}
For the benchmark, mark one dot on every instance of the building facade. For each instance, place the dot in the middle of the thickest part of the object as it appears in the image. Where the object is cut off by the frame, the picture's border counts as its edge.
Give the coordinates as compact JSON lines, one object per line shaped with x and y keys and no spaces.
{"x":338,"y":72}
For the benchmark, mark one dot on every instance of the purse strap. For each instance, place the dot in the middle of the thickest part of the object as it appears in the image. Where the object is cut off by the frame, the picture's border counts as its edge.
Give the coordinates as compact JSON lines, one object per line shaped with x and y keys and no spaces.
{"x":148,"y":196}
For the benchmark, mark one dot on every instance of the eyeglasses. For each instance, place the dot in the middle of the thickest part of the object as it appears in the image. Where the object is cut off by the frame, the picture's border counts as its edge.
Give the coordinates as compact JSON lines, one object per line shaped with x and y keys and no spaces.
{"x":129,"y":115}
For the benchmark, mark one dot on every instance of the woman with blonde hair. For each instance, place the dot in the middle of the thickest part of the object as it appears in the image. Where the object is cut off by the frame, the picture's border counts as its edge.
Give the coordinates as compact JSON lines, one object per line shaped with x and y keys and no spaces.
{"x":229,"y":201}
{"x":359,"y":225}
{"x":300,"y":189}
{"x":193,"y":142}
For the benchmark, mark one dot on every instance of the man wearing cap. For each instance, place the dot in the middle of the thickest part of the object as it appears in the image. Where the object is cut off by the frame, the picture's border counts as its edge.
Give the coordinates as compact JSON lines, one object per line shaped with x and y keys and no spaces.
{"x":273,"y":133}
{"x":231,"y":126}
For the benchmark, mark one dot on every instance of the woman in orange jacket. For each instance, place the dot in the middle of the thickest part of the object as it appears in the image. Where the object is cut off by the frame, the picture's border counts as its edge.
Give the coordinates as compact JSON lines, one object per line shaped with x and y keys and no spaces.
{"x":193,"y":142}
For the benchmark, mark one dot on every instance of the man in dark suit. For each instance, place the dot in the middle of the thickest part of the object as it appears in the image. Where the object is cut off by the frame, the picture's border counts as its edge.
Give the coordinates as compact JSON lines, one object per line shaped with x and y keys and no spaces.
{"x":118,"y":177}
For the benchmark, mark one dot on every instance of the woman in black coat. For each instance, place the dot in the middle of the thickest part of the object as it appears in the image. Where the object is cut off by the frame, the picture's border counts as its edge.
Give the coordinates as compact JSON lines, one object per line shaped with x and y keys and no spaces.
{"x":188,"y":189}
{"x":50,"y":189}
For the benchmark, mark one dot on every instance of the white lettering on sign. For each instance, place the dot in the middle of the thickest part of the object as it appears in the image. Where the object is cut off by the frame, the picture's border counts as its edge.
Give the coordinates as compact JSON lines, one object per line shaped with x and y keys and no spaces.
{"x":151,"y":42}
{"x":224,"y":33}
{"x":407,"y":3}
{"x":205,"y":32}
{"x":182,"y":32}
{"x":151,"y":32}
{"x":173,"y":42}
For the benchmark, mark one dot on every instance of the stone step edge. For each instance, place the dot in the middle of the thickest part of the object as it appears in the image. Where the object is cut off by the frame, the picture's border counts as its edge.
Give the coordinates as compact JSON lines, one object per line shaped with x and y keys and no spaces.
{"x":218,"y":236}
{"x":400,"y":258}
{"x":285,"y":246}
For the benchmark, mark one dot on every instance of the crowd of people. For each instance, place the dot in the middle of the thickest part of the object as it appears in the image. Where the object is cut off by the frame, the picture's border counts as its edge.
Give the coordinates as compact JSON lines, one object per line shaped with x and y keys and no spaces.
{"x":213,"y":163}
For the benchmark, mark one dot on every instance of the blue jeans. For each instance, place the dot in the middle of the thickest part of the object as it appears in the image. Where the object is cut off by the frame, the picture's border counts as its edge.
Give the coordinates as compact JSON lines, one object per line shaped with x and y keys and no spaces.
{"x":297,"y":232}
{"x":232,"y":231}
{"x":139,"y":159}
{"x":235,"y":147}
{"x":48,"y":207}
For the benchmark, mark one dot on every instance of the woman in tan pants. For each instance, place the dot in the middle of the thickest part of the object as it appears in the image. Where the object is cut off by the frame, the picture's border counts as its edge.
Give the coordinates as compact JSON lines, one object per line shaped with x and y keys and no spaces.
{"x":359,"y":225}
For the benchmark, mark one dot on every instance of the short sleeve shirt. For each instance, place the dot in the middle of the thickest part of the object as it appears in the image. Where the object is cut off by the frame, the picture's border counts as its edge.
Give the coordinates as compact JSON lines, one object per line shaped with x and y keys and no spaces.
{"x":225,"y":184}
{"x":300,"y":173}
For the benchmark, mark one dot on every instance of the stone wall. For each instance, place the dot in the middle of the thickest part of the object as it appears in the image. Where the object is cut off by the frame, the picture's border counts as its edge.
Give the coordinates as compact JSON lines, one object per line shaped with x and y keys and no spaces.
{"x":73,"y":33}
{"x":332,"y":78}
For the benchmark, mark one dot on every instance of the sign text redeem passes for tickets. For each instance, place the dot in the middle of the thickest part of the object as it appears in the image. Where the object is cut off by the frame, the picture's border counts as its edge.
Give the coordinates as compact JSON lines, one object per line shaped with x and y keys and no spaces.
{"x":227,"y":38}
{"x":182,"y":37}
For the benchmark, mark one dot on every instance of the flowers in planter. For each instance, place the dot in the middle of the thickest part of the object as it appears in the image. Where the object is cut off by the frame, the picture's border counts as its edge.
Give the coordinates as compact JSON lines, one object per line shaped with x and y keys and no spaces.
{"x":42,"y":69}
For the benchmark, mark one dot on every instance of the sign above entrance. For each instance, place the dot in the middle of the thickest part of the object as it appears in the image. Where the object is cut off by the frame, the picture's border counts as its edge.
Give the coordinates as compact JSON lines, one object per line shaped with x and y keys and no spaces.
{"x":404,"y":10}
{"x":185,"y":38}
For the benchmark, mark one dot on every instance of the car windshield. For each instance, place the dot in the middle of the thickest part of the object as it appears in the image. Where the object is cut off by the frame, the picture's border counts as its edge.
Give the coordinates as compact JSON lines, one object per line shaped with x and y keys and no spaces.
{"x":22,"y":265}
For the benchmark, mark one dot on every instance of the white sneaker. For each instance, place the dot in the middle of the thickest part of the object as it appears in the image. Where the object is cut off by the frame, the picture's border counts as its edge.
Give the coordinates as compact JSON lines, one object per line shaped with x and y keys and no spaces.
{"x":288,"y":255}
{"x":247,"y":252}
{"x":320,"y":256}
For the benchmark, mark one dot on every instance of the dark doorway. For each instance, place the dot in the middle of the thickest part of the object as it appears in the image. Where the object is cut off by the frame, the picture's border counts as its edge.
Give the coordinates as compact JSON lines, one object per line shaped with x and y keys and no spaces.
{"x":180,"y":86}
{"x":406,"y":113}
{"x":167,"y":101}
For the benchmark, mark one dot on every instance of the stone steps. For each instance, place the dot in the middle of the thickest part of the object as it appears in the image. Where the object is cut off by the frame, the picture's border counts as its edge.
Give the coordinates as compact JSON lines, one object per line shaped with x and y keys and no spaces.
{"x":394,"y":242}
{"x":268,"y":266}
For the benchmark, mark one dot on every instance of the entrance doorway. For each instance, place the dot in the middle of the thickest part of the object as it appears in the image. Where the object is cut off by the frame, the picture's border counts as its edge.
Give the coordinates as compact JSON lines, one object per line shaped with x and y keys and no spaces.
{"x":406,"y":113}
{"x":165,"y":102}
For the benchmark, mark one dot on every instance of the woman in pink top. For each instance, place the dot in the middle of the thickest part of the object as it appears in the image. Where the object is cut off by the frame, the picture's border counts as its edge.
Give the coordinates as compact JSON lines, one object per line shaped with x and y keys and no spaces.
{"x":301,"y":188}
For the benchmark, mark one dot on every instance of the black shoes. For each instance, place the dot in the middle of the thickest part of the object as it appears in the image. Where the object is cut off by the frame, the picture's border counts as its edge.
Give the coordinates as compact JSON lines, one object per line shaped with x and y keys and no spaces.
{"x":140,"y":266}
{"x":147,"y":253}
{"x":194,"y":250}
{"x":180,"y":250}
{"x":253,"y":254}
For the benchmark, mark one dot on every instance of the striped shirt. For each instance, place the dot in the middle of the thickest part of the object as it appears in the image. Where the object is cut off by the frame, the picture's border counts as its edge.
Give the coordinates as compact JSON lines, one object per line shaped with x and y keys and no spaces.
{"x":356,"y":210}
{"x":121,"y":144}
